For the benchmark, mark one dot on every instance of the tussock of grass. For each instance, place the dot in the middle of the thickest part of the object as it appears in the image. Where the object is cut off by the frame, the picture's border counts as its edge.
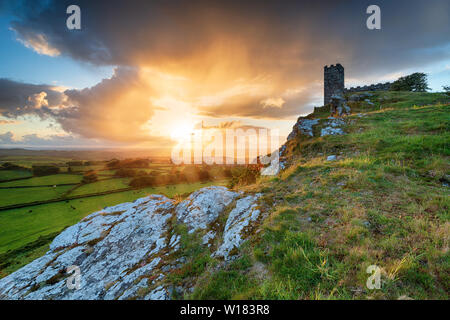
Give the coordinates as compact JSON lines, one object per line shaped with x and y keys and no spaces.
{"x":382,"y":203}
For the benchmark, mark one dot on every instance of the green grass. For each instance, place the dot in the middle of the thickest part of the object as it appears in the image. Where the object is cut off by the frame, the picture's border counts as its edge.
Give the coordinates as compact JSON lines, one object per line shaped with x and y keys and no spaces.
{"x":97,"y":167}
{"x":28,"y":161}
{"x":17,"y":258}
{"x":146,"y":170}
{"x":14,"y":174}
{"x":25,"y":195}
{"x":101,"y":186}
{"x":54,"y":179}
{"x":382,"y":203}
{"x":20,"y":226}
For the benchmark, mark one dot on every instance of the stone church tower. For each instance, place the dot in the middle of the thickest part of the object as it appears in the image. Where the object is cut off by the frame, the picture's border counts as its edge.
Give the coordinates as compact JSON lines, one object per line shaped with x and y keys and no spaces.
{"x":333,"y":81}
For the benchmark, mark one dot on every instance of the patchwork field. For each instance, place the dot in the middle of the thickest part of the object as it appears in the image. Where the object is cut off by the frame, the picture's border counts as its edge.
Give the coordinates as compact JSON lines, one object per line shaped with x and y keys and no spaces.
{"x":64,"y":199}
{"x":25,"y":195}
{"x":14,"y":174}
{"x":101,"y":186}
{"x":55,"y":179}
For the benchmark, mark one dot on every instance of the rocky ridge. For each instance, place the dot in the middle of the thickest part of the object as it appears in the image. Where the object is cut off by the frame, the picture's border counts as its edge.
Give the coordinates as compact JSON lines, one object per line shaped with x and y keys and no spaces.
{"x":127,"y":251}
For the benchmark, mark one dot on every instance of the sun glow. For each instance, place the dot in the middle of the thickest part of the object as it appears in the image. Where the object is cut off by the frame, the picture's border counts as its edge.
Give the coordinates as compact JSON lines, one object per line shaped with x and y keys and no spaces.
{"x":181,"y":131}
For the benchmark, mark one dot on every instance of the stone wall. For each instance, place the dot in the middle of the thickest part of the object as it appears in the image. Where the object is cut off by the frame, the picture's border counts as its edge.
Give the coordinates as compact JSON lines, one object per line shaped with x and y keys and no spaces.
{"x":373,"y":87}
{"x":333,"y":81}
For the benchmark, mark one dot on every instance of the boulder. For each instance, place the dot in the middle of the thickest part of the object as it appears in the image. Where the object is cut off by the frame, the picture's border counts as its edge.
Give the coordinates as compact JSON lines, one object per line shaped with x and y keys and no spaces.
{"x":303,"y":126}
{"x":332,"y":158}
{"x":338,"y":106}
{"x":126,"y":251}
{"x":333,"y":127}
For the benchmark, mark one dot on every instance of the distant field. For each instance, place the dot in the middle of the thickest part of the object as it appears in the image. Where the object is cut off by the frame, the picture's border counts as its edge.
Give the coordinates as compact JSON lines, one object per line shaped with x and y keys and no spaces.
{"x":96,"y":167}
{"x":27,"y":231}
{"x":20,"y":226}
{"x":146,"y":170}
{"x":45,"y":180}
{"x":14,"y":174}
{"x":28,"y":161}
{"x":25,"y":195}
{"x":101,"y":186}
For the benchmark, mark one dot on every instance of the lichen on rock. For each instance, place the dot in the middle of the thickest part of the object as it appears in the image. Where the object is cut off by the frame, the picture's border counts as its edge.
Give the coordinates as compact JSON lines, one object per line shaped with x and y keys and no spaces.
{"x":126,"y":251}
{"x":244,"y":213}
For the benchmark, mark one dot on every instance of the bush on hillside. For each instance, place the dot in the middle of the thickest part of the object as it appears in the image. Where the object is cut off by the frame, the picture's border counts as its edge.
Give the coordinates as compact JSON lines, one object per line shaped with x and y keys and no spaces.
{"x":227,"y":173}
{"x":89,"y":177}
{"x":42,"y":170}
{"x":416,"y":82}
{"x":12,"y":166}
{"x":204,"y":175}
{"x":126,"y":173}
{"x":140,"y":182}
{"x":246,"y":175}
{"x":446,"y":89}
{"x":128,"y":163}
{"x":74,"y":163}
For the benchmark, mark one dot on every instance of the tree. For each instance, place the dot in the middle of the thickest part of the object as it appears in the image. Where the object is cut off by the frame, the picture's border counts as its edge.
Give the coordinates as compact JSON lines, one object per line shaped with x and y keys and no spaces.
{"x":416,"y":82}
{"x":89,"y":177}
{"x":446,"y":89}
{"x":12,"y":166}
{"x":44,"y":170}
{"x":125,"y":173}
{"x":245,"y":175}
{"x":74,"y":163}
{"x":204,"y":175}
{"x":140,"y":182}
{"x":227,"y":173}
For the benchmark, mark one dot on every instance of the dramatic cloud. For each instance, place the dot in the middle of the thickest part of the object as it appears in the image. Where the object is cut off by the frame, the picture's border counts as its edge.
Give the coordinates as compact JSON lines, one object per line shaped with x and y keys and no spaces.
{"x":178,"y":60}
{"x":18,"y":98}
{"x":9,"y":122}
{"x":11,"y":139}
{"x":38,"y":43}
{"x":115,"y":109}
{"x":7,"y":138}
{"x":261,"y":36}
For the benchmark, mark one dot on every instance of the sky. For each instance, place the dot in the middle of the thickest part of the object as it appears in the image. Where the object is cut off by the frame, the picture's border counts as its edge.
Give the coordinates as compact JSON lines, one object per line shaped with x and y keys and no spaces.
{"x":140,"y":73}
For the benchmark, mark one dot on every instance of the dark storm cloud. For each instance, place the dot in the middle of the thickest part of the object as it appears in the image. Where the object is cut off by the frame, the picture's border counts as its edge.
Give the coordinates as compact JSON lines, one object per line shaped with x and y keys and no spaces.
{"x":278,"y":46}
{"x":17,"y":98}
{"x":139,"y":32}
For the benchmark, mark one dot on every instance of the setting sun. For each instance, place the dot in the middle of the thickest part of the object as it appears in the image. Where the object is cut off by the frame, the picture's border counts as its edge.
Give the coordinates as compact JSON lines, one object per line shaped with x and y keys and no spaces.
{"x":181,"y":131}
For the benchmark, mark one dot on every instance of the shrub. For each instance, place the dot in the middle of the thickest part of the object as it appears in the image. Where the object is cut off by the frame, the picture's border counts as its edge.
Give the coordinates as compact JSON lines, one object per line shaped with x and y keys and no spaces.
{"x":74,"y":163}
{"x":227,"y":173}
{"x":12,"y":166}
{"x":125,"y":173}
{"x":112,"y":164}
{"x":247,"y":175}
{"x":446,"y":89}
{"x":41,"y":170}
{"x":203,"y":175}
{"x":416,"y":82}
{"x":128,"y":163}
{"x":89,"y":177}
{"x":146,"y":181}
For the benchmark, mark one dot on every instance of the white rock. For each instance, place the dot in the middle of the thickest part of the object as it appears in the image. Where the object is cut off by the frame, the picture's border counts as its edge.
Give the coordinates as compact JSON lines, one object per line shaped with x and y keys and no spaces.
{"x":157,"y":294}
{"x":303,"y":126}
{"x":333,"y":127}
{"x":240,"y":217}
{"x":331,"y":158}
{"x":210,"y":235}
{"x":203,"y":206}
{"x":118,"y":249}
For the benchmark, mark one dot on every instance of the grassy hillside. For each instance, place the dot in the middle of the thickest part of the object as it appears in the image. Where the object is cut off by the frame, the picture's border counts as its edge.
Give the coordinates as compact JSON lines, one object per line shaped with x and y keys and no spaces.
{"x":384,"y":202}
{"x":55,"y":179}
